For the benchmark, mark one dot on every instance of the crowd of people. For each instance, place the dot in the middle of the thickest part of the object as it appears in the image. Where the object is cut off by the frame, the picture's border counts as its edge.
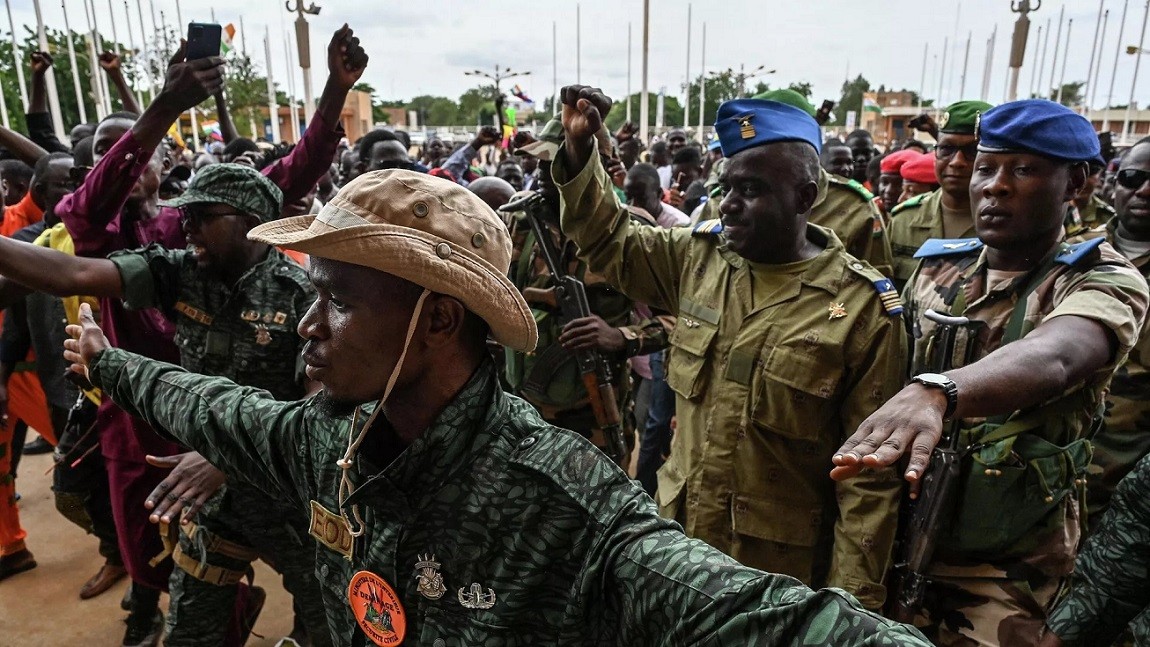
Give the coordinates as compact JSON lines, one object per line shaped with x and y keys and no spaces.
{"x":573,"y":387}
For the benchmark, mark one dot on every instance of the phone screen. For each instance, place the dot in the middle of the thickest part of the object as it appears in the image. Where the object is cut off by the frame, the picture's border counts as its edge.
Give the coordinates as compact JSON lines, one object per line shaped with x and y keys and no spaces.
{"x":203,"y":40}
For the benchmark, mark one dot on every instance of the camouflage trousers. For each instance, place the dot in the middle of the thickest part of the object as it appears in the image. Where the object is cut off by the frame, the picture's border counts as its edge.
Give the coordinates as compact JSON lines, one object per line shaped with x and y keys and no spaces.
{"x":985,"y":611}
{"x":243,"y":515}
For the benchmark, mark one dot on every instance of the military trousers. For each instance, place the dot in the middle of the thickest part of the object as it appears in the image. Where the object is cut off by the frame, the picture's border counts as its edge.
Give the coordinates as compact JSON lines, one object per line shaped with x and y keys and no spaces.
{"x":245,"y":516}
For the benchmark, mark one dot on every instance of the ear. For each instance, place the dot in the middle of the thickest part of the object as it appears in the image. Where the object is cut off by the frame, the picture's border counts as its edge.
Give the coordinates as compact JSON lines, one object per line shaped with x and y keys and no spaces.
{"x":806,"y":195}
{"x":1076,"y":180}
{"x":445,"y":316}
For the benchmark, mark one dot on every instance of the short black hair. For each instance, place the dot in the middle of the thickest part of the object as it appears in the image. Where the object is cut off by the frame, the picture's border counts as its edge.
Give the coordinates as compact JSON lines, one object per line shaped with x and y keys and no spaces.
{"x":367,"y":142}
{"x":659,"y":147}
{"x":45,"y":160}
{"x":82,"y":153}
{"x":688,"y":155}
{"x":14,"y":169}
{"x":859,"y":133}
{"x":402,"y":136}
{"x":239,"y":146}
{"x":647,"y":172}
{"x":120,"y":114}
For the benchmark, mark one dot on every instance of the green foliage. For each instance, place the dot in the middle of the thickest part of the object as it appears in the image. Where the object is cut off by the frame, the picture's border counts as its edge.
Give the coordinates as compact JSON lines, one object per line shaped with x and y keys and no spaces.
{"x":1071,"y":93}
{"x":672,"y":117}
{"x":435,"y":111}
{"x":852,"y":94}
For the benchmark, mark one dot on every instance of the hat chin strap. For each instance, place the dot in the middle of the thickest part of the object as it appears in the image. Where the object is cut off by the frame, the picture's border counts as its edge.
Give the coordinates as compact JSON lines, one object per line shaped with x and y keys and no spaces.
{"x":355,"y":439}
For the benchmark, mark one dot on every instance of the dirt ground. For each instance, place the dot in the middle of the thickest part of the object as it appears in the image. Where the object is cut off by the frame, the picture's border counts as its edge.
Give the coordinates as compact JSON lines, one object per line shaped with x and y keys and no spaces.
{"x":42,"y":607}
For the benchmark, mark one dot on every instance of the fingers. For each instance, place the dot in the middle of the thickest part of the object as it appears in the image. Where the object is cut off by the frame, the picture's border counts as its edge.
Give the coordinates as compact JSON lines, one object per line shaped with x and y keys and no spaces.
{"x":165,"y":501}
{"x":194,"y":505}
{"x":86,"y":318}
{"x":165,"y":462}
{"x":181,"y":52}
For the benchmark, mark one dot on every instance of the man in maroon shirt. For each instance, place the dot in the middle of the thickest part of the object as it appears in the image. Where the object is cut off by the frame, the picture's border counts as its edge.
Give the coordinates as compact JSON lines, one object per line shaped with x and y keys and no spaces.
{"x":117,"y":208}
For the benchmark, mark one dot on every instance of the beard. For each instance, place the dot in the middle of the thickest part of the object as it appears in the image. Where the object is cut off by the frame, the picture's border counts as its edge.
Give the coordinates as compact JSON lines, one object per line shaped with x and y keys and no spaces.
{"x":333,"y":408}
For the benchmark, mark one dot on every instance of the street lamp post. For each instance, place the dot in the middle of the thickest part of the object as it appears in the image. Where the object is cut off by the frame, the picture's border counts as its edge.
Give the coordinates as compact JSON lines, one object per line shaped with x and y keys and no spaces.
{"x":499,"y":75}
{"x":1018,"y":43}
{"x":741,"y":77}
{"x":303,"y":46}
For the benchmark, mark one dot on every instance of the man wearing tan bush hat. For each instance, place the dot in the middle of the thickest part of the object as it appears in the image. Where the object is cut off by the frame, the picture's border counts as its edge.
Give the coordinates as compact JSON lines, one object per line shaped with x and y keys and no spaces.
{"x":457,"y":516}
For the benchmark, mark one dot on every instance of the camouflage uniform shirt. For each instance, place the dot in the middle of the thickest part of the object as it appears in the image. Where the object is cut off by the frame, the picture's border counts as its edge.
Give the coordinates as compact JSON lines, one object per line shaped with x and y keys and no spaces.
{"x":1109,"y":586}
{"x":768,"y":386}
{"x":569,"y":549}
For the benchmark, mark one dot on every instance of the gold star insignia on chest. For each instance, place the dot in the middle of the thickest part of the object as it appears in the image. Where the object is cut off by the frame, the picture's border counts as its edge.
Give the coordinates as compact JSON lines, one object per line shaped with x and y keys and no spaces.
{"x":263,"y":337}
{"x":837,"y":311}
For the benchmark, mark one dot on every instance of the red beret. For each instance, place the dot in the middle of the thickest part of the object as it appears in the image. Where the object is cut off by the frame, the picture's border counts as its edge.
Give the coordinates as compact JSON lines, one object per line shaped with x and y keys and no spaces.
{"x":919,"y":168}
{"x":893,"y":162}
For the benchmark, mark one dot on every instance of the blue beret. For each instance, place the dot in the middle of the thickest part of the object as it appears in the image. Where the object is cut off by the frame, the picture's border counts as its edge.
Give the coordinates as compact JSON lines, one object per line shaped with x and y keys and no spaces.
{"x":715,"y":146}
{"x":746,"y":123}
{"x":1041,"y":127}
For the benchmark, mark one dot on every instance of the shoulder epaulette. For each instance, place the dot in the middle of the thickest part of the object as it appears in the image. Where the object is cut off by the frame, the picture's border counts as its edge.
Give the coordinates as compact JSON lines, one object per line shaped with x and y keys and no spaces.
{"x":948,"y":247}
{"x":707,"y":228}
{"x":1074,"y":253}
{"x":853,"y":185}
{"x":907,"y":204}
{"x":891,"y":302}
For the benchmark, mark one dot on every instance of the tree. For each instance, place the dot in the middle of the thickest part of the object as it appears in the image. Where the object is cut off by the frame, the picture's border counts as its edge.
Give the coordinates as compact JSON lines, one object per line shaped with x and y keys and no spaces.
{"x":1071,"y":93}
{"x":477,"y":105}
{"x":852,"y":95}
{"x":434,"y":111}
{"x":802,"y":87}
{"x":672,"y":111}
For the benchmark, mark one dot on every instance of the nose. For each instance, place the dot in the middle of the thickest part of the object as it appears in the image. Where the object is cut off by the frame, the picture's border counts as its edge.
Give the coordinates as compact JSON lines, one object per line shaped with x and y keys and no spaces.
{"x":1144,"y":190}
{"x":729,"y":204}
{"x":996,"y":186}
{"x":311,"y":325}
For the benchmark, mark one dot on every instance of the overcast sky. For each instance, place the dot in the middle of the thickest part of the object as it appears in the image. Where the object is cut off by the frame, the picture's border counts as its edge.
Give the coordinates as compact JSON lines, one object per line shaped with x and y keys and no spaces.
{"x":423,"y":47}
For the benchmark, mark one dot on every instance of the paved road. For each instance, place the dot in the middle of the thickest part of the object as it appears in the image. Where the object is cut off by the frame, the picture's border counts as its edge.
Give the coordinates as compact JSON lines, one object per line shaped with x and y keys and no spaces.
{"x":42,"y":607}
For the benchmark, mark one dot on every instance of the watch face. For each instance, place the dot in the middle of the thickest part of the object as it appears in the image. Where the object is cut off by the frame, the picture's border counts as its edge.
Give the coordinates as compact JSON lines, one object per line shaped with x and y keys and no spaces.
{"x":933,"y":379}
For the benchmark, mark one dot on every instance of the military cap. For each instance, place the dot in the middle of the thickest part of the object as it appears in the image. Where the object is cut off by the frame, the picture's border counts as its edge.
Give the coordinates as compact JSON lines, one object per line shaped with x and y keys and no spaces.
{"x":423,"y":229}
{"x":961,"y":117}
{"x":546,"y":145}
{"x":789,"y":97}
{"x":746,"y":123}
{"x":716,"y":145}
{"x":893,"y":162}
{"x":235,"y":185}
{"x":1040,"y":127}
{"x":919,"y":168}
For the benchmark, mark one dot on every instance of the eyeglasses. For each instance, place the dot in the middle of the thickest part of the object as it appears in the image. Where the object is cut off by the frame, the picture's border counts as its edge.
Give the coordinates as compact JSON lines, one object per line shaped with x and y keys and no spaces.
{"x":195,"y":219}
{"x":1132,"y":178}
{"x":947,"y":151}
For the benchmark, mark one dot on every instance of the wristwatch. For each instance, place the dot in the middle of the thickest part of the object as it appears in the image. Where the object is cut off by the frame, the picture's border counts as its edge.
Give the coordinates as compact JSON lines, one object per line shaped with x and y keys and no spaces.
{"x":940,"y":381}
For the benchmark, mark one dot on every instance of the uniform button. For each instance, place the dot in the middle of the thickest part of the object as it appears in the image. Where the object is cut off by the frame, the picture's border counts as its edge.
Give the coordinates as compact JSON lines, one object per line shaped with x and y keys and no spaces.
{"x":129,"y":157}
{"x":323,"y":570}
{"x":527,"y":442}
{"x":857,"y":265}
{"x":419,"y":209}
{"x":439,"y":642}
{"x":478,"y":239}
{"x":443,"y":250}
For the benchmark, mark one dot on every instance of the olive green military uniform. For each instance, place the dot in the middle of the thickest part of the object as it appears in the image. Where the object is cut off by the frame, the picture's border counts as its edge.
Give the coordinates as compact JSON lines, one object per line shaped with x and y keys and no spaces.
{"x":1017,"y":525}
{"x":1080,"y":221}
{"x":769,"y":382}
{"x":549,"y":377}
{"x":561,"y":547}
{"x":913,"y":223}
{"x":247,"y":333}
{"x":1125,"y":436}
{"x":847,"y":208}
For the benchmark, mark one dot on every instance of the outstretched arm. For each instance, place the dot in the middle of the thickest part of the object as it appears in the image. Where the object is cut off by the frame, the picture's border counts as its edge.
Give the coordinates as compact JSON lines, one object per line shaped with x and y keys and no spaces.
{"x":24,"y":149}
{"x":48,"y":270}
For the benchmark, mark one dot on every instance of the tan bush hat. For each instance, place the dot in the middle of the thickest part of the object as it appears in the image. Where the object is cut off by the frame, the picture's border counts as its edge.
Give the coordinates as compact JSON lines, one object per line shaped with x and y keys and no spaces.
{"x":424,"y":229}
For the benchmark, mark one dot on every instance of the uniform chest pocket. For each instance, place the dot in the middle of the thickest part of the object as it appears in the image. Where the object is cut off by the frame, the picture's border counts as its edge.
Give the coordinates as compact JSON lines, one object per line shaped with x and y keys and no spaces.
{"x":447,"y":629}
{"x":795,"y":395}
{"x":687,"y":369}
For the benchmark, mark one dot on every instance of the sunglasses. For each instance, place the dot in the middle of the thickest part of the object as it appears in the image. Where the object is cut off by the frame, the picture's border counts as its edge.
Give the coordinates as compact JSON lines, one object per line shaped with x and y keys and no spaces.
{"x":1132,"y":178}
{"x":947,"y":151}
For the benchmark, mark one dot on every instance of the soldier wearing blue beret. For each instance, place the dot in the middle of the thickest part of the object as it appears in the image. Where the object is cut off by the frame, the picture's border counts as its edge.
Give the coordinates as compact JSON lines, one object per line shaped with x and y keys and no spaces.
{"x":784,"y":343}
{"x":1049,"y":322}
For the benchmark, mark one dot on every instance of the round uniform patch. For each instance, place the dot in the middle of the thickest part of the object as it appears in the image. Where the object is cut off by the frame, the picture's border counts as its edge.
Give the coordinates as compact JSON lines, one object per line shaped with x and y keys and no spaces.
{"x":377,"y":609}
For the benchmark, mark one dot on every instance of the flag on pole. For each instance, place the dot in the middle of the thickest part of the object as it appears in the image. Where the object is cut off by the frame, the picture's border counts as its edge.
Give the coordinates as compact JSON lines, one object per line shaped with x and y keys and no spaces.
{"x":870,"y":105}
{"x":520,"y":94}
{"x":229,"y":32}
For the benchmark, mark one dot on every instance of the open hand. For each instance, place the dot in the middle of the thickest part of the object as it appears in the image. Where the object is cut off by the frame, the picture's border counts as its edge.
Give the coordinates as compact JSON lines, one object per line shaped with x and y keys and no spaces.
{"x":192,"y":482}
{"x":85,"y":343}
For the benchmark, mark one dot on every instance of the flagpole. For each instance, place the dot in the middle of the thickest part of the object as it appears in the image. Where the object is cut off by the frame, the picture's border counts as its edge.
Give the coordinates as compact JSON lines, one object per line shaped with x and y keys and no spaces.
{"x":1057,"y":43}
{"x":922,"y":77}
{"x":273,"y":105}
{"x":1114,"y":72}
{"x":93,"y":68}
{"x":50,"y":76}
{"x":578,"y":45}
{"x":1093,"y":52}
{"x":703,"y":86}
{"x":291,"y":84}
{"x":1034,"y":73}
{"x":244,"y":53}
{"x":98,"y":45}
{"x":17,"y":59}
{"x":988,"y":67}
{"x":1098,"y":64}
{"x":4,"y":111}
{"x":144,"y":47}
{"x":1065,"y":55}
{"x":192,"y":110}
{"x":555,"y":71}
{"x":644,"y":109}
{"x":1042,"y":63}
{"x":628,"y":72}
{"x":687,"y":101}
{"x":75,"y":72}
{"x":1134,"y":79}
{"x":965,"y":64}
{"x":135,"y":54}
{"x":941,"y":70}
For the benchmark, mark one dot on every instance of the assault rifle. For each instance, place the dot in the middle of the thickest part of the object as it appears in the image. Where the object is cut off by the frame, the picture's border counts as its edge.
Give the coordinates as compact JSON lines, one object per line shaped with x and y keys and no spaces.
{"x":940,"y":483}
{"x":571,"y":298}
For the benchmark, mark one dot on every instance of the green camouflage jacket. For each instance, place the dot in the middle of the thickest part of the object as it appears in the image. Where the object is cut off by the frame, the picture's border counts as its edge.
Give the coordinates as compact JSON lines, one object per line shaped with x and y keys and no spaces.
{"x":1109,"y":586}
{"x":246,"y":333}
{"x":766,"y":391}
{"x":492,"y":528}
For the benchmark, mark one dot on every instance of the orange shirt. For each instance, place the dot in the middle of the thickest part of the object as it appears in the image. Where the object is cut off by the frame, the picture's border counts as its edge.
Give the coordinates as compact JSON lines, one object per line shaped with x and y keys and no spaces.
{"x":20,"y":215}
